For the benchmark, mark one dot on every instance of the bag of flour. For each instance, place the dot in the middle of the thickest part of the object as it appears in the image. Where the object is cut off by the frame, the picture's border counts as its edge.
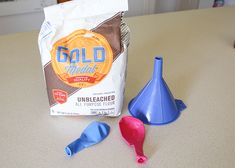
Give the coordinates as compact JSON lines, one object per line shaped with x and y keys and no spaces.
{"x":83,"y":46}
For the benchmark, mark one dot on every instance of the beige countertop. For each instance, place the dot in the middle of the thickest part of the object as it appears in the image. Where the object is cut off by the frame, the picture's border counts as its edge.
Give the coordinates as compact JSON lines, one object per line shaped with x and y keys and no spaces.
{"x":199,"y":66}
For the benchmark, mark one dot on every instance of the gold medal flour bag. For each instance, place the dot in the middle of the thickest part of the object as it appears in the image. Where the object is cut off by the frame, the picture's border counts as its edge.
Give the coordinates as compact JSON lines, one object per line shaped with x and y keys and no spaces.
{"x":83,"y":46}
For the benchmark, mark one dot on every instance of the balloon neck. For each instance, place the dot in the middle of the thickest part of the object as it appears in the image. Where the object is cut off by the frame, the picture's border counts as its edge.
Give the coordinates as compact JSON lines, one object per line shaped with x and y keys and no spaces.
{"x":141,"y":159}
{"x":140,"y":154}
{"x":157,"y":72}
{"x":74,"y":147}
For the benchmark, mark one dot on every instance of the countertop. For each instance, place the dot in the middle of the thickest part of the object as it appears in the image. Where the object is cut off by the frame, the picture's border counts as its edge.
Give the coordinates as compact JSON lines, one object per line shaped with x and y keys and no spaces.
{"x":199,"y":66}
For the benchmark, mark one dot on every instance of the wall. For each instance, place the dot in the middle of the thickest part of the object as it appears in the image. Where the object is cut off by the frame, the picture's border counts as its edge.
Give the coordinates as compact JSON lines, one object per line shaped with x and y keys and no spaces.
{"x":32,"y":21}
{"x":22,"y":15}
{"x":141,"y":7}
{"x":209,"y":3}
{"x":21,"y":22}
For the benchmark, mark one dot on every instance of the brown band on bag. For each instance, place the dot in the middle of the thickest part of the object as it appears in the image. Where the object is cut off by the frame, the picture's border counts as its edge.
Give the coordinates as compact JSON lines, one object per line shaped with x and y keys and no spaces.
{"x":111,"y":30}
{"x":53,"y":82}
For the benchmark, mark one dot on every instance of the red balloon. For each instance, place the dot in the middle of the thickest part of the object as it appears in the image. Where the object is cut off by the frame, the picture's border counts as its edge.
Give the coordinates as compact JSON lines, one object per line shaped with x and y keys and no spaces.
{"x":133,"y":132}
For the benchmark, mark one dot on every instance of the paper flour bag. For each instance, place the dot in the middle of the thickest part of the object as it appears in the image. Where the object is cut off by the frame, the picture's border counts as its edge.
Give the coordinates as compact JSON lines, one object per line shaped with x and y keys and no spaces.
{"x":83,"y":46}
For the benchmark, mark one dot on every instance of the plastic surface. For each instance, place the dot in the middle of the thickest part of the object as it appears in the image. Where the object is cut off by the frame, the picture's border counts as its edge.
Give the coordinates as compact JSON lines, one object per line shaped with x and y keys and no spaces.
{"x":93,"y":134}
{"x":133,"y":132}
{"x":155,"y":105}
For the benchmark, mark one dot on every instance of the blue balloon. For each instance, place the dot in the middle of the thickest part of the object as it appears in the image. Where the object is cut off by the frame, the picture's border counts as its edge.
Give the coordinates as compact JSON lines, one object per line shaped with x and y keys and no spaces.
{"x":93,"y":134}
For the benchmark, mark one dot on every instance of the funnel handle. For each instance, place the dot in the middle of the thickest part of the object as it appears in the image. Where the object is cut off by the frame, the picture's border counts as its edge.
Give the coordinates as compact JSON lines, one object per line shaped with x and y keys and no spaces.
{"x":180,"y":104}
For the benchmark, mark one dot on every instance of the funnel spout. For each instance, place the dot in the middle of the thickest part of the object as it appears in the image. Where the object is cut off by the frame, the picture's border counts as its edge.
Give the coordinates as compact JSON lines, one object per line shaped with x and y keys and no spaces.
{"x":157,"y":72}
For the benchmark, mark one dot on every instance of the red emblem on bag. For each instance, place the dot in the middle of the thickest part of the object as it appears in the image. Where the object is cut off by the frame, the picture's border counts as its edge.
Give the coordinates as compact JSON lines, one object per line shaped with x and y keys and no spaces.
{"x":60,"y":96}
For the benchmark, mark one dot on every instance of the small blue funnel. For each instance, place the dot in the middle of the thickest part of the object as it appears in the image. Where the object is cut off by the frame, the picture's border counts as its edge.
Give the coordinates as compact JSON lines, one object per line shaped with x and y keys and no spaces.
{"x":155,"y":105}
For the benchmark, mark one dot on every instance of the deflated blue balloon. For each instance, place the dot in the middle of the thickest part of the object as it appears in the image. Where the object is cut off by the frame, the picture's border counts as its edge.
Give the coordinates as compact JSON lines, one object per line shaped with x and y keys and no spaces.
{"x":93,"y":134}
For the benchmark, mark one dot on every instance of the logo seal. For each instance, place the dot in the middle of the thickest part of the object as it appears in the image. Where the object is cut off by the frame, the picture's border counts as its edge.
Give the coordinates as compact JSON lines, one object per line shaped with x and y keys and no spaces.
{"x":82,"y":59}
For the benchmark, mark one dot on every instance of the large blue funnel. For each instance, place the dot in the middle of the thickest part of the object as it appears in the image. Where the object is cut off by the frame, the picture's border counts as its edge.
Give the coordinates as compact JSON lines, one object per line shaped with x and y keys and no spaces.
{"x":155,"y":105}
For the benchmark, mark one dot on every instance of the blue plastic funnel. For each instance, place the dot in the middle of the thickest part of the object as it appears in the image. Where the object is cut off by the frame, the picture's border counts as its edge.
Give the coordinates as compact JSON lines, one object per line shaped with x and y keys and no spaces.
{"x":155,"y":105}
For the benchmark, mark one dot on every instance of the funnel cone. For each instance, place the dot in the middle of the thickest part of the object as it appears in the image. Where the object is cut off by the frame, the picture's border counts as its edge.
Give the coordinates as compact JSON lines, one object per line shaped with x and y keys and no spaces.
{"x":155,"y":104}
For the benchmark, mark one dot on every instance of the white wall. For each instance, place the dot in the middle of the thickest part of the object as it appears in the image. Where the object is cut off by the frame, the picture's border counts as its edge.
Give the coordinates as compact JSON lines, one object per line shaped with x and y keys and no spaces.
{"x":209,"y":3}
{"x":21,"y":22}
{"x":22,"y":15}
{"x":206,"y":3}
{"x":32,"y":21}
{"x":141,"y":7}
